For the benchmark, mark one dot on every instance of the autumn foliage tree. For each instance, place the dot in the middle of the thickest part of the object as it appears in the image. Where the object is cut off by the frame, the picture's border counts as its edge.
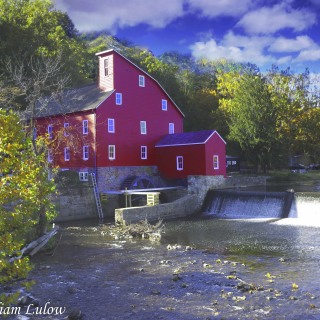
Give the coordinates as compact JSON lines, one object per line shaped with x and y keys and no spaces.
{"x":25,"y":193}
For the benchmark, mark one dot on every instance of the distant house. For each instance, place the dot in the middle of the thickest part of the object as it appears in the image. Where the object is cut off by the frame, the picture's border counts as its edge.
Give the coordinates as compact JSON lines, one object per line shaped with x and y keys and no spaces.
{"x":113,"y":129}
{"x":192,"y":153}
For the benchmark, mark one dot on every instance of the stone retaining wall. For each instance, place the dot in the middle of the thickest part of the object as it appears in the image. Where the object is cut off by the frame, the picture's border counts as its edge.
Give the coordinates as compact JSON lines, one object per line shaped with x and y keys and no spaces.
{"x":180,"y":208}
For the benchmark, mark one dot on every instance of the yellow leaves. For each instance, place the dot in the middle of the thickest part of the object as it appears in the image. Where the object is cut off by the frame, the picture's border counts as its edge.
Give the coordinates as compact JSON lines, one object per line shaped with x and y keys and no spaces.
{"x":295,"y":286}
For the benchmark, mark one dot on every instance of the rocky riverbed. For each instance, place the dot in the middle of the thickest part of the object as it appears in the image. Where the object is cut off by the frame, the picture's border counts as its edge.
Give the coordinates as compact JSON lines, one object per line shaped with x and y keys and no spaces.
{"x":92,"y":276}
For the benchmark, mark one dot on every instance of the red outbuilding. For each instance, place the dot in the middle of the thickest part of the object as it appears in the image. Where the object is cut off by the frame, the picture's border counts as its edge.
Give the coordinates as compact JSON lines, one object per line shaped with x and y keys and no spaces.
{"x":191,"y":153}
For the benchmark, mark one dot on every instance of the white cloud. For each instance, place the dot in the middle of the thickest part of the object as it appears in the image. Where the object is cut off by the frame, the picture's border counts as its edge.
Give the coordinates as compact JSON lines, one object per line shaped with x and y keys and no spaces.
{"x":282,"y":44}
{"x":90,"y":15}
{"x":236,"y":48}
{"x":309,"y":55}
{"x":214,"y":8}
{"x":269,"y":20}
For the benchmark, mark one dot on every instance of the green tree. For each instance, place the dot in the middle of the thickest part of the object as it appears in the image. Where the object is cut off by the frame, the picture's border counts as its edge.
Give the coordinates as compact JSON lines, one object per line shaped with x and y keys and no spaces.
{"x":251,"y":115}
{"x":31,"y":28}
{"x":25,"y":192}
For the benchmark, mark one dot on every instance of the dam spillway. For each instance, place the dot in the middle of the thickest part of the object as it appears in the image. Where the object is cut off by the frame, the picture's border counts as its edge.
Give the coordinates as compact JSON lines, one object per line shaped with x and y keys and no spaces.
{"x":235,"y":204}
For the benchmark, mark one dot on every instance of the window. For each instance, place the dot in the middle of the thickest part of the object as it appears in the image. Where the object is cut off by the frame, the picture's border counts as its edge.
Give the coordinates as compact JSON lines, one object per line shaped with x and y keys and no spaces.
{"x":112,"y":152}
{"x":50,"y":156}
{"x":119,"y":98}
{"x":67,"y":154}
{"x":143,"y":127}
{"x":83,"y":176}
{"x":179,"y":163}
{"x":171,"y":128}
{"x":144,"y":152}
{"x":106,"y":67}
{"x":141,"y":81}
{"x":111,"y":127}
{"x":164,"y":105}
{"x":85,"y":127}
{"x":215,"y":162}
{"x":66,"y":129}
{"x":85,"y":152}
{"x":50,"y":131}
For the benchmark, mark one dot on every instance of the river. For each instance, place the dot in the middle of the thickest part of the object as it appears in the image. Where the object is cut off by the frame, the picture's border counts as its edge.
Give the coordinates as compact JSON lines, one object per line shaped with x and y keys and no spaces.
{"x":203,"y":268}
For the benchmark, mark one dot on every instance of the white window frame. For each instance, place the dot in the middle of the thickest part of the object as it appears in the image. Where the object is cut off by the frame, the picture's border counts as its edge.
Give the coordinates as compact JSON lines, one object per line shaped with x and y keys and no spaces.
{"x":67,"y":155}
{"x":111,"y":125}
{"x":111,"y":152}
{"x":144,"y":152}
{"x":50,"y":131}
{"x":142,"y":82}
{"x":215,"y":162}
{"x":85,"y":126}
{"x":118,"y":98}
{"x":85,"y":152}
{"x":171,"y":128}
{"x":106,"y":66}
{"x":83,"y":176}
{"x":164,"y":105}
{"x":66,"y":126}
{"x":179,"y":163}
{"x":50,"y":156}
{"x":143,"y":127}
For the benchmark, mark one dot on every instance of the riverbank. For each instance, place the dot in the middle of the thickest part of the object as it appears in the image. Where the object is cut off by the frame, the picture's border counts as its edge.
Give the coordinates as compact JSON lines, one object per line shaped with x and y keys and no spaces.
{"x":138,"y":279}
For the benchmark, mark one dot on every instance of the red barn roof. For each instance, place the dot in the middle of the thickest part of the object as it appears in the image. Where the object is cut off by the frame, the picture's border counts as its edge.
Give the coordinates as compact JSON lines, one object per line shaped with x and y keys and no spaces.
{"x":187,"y":138}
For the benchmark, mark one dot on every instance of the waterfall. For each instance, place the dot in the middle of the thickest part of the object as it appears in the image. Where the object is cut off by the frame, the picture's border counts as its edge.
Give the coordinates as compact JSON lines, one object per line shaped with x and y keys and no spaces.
{"x":306,"y":206}
{"x":246,"y":204}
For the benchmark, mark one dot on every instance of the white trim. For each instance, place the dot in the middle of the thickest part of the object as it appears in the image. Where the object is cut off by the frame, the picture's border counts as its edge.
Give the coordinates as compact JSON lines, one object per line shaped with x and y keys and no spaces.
{"x":144,"y":150}
{"x":85,"y":152}
{"x":67,"y":155}
{"x":111,"y":125}
{"x":171,"y":127}
{"x":142,"y":81}
{"x":83,"y":176}
{"x":50,"y":156}
{"x":143,"y":127}
{"x":111,"y":152}
{"x":85,"y":126}
{"x":164,"y":105}
{"x":66,"y":126}
{"x":118,"y":98}
{"x":215,"y":167}
{"x":50,"y":131}
{"x":179,"y":163}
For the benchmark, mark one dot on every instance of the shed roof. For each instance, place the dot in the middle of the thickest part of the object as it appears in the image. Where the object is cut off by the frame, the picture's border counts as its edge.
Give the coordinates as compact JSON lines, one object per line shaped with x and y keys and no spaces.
{"x":187,"y":138}
{"x":73,"y":100}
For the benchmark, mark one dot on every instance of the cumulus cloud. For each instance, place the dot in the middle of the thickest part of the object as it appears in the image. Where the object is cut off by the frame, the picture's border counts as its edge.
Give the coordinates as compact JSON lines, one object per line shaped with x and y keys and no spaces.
{"x":90,"y":15}
{"x":210,"y":8}
{"x":292,"y":45}
{"x":267,"y":20}
{"x":235,"y":48}
{"x":309,"y":55}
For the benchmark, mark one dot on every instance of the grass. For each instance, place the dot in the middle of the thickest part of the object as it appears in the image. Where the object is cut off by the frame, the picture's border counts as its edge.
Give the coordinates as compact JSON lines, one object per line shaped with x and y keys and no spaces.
{"x":286,"y":175}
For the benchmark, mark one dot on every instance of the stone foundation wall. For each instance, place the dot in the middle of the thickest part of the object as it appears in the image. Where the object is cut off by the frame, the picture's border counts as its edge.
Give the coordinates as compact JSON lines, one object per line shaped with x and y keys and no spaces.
{"x":110,"y":178}
{"x":76,"y":204}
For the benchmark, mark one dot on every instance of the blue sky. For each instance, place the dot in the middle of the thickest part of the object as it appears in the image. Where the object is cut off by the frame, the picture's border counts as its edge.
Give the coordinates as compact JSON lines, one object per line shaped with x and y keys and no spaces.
{"x":263,"y":32}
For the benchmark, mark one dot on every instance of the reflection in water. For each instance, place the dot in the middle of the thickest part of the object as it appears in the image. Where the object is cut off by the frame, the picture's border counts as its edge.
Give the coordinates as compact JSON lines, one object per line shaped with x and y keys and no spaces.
{"x":259,"y":239}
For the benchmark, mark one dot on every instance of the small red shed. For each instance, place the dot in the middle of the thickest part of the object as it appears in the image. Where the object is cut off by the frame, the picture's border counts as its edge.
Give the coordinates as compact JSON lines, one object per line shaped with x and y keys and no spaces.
{"x":191,"y":153}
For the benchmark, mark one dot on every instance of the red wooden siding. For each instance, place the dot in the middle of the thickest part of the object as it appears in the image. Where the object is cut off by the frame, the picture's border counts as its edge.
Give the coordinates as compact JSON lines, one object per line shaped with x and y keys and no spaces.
{"x":74,"y":139}
{"x":197,"y":158}
{"x":138,"y":104}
